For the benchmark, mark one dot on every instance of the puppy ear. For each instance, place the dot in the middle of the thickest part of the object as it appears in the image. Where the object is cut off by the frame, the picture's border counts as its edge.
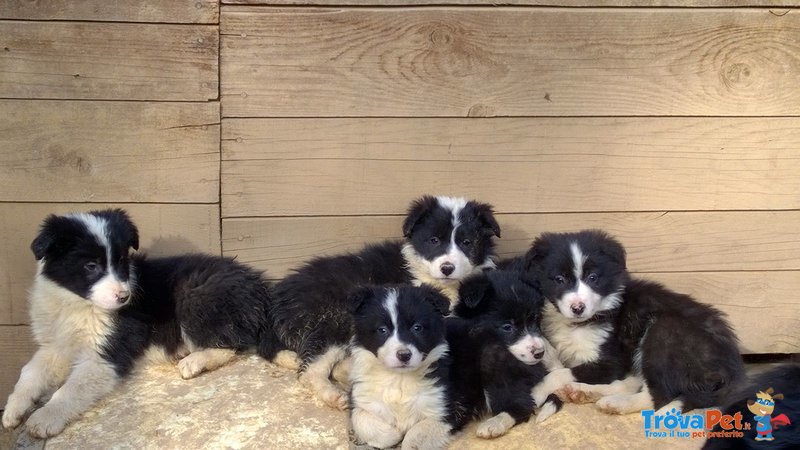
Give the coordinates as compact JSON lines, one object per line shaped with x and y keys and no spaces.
{"x":52,"y":235}
{"x":537,"y":253}
{"x":417,"y":211}
{"x":437,"y":299}
{"x":120,"y":219}
{"x":473,"y":290}
{"x":486,"y":216}
{"x":613,"y":248}
{"x":358,"y":298}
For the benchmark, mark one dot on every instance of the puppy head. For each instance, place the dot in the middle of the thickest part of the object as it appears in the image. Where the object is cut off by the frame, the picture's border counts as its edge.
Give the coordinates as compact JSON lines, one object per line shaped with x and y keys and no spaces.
{"x":506,"y":309}
{"x":582,"y":273}
{"x":88,"y":254}
{"x":402,"y":326}
{"x":449,"y":238}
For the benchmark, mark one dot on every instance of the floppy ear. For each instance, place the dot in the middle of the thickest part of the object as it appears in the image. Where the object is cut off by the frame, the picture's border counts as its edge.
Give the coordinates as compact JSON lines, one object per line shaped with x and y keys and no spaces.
{"x":473,"y":290}
{"x":52,"y":235}
{"x":486,"y":216}
{"x":358,"y":298}
{"x":417,"y":211}
{"x":437,"y":299}
{"x":537,"y":253}
{"x":119,"y":219}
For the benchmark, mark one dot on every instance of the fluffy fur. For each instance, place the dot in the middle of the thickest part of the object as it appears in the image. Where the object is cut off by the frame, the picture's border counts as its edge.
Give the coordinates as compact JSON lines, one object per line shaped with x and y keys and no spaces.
{"x":402,"y":380}
{"x":677,"y":352}
{"x":785,"y":380}
{"x":446,"y":240}
{"x":500,"y":335}
{"x":96,"y":310}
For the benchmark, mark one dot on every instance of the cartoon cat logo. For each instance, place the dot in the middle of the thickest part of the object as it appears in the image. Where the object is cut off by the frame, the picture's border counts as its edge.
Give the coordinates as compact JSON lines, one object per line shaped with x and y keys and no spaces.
{"x":762,"y":409}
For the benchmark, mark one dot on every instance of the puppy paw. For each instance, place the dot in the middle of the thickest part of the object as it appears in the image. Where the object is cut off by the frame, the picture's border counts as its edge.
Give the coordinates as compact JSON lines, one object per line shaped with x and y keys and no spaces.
{"x":613,"y":404}
{"x":46,"y":422}
{"x":427,"y":435}
{"x":546,"y":411}
{"x":495,"y":426}
{"x":581,"y":393}
{"x":287,"y":359}
{"x":14,"y":412}
{"x":191,"y":365}
{"x":335,"y":398}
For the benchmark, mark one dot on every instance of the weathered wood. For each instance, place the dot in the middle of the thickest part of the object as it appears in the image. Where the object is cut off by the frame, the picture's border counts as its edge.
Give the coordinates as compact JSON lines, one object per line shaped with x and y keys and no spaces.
{"x":109,"y":151}
{"x":164,"y":229}
{"x":564,"y":3}
{"x":16,"y":348}
{"x":375,"y":166}
{"x":164,"y":11}
{"x":656,"y":241}
{"x":110,"y":61}
{"x":294,"y":62}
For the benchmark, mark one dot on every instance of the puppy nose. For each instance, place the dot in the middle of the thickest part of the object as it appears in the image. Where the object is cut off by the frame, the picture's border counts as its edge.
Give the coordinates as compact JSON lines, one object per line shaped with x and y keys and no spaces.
{"x":538,"y":355}
{"x":404,"y":355}
{"x":577,"y":308}
{"x":123,"y":296}
{"x":447,"y":268}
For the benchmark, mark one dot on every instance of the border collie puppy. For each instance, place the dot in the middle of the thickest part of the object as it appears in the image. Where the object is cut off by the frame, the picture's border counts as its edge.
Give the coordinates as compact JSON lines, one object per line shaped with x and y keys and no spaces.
{"x":96,"y":310}
{"x":447,"y":239}
{"x":401,"y":376}
{"x":501,"y":335}
{"x":678,"y":352}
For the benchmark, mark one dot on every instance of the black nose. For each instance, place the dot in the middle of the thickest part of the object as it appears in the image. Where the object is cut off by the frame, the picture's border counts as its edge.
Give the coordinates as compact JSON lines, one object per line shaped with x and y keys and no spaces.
{"x":447,"y":268}
{"x":578,"y":308}
{"x":538,"y":355}
{"x":123,"y":296}
{"x":404,"y":355}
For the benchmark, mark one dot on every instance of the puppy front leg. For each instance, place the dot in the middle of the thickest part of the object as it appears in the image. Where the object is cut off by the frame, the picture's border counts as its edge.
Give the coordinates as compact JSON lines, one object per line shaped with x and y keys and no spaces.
{"x":90,"y":380}
{"x":374,"y":431}
{"x":46,"y":370}
{"x":551,"y":383}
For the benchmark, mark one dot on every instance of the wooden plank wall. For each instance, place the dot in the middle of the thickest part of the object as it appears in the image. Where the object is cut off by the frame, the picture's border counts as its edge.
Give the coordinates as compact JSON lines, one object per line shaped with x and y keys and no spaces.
{"x":277,"y":130}
{"x":104,"y":104}
{"x":673,"y":124}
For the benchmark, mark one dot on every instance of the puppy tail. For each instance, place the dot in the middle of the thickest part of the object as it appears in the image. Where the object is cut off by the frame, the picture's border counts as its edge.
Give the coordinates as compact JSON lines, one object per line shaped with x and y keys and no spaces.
{"x":269,"y":344}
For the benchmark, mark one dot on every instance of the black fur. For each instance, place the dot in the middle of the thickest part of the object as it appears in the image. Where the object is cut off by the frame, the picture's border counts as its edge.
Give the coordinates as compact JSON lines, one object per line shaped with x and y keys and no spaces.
{"x":498,"y":308}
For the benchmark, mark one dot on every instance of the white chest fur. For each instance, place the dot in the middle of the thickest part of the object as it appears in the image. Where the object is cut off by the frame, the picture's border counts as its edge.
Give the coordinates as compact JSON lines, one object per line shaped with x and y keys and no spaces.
{"x":61,"y":318}
{"x":575,"y":344}
{"x":401,"y":399}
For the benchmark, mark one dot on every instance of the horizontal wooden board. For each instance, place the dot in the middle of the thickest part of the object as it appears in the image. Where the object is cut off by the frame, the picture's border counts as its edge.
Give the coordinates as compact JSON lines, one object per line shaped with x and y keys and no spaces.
{"x":495,"y":3}
{"x":295,"y":62}
{"x":762,"y":306}
{"x":109,"y":61}
{"x":109,"y":151}
{"x":656,"y":241}
{"x":164,"y":229}
{"x":16,"y":348}
{"x":165,"y":11}
{"x":286,"y":167}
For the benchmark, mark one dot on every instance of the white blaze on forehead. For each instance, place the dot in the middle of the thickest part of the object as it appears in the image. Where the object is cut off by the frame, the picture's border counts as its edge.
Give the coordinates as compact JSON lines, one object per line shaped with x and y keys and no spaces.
{"x":578,"y":259}
{"x":390,"y":305}
{"x":454,"y":204}
{"x":96,"y":226}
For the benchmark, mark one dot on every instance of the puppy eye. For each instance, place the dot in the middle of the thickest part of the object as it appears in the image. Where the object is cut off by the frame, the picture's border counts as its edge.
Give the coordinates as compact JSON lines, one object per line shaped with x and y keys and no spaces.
{"x":560,"y":279}
{"x":91,"y":267}
{"x":434,"y":240}
{"x":416,"y":328}
{"x":382,"y":330}
{"x":507,"y":328}
{"x":592,"y":277}
{"x":466,"y":242}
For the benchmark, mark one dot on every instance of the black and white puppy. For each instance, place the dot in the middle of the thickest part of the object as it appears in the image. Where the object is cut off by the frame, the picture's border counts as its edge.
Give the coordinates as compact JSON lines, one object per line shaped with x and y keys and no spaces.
{"x":96,"y":310}
{"x":447,"y":239}
{"x":676,"y":352}
{"x":402,"y":376}
{"x":500,"y":333}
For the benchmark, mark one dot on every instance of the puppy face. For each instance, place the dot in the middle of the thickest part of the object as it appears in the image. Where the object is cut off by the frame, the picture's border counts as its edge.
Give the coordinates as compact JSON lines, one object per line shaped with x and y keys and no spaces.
{"x":450,"y":237}
{"x":87,"y":254}
{"x":582,"y":273}
{"x":400,"y":325}
{"x":506,"y":309}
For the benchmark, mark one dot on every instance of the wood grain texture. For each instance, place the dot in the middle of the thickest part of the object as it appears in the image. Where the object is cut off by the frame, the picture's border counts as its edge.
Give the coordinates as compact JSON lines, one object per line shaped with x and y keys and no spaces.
{"x":16,"y":348}
{"x":564,"y":3}
{"x":294,"y":62}
{"x":108,"y":61}
{"x":164,"y":229}
{"x":109,"y":151}
{"x":286,"y":167}
{"x":656,"y":241}
{"x":164,"y":11}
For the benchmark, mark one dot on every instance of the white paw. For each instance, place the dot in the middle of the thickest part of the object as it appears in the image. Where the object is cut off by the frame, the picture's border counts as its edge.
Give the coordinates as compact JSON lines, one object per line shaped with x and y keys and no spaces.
{"x":287,"y":359}
{"x":192,"y":365}
{"x":387,"y":439}
{"x":14,"y":412}
{"x":335,"y":398}
{"x":495,"y":426}
{"x":45,"y":422}
{"x":545,"y":412}
{"x":613,"y":404}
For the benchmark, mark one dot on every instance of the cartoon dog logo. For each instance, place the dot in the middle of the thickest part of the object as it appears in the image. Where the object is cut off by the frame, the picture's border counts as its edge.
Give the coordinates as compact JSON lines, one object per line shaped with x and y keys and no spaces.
{"x":762,"y":409}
